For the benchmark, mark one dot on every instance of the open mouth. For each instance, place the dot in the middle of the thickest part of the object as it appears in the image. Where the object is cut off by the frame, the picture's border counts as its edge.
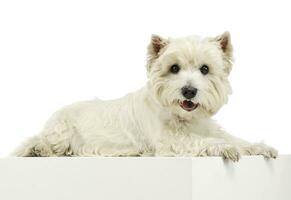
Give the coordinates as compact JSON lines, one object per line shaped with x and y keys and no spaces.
{"x":188,"y":105}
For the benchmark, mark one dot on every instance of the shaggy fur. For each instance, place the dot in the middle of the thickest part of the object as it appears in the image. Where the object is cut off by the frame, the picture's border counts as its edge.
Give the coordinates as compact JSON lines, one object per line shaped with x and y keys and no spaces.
{"x":151,"y":121}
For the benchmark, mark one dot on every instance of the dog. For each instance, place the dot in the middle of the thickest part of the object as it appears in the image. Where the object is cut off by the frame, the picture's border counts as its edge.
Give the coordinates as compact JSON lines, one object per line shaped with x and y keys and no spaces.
{"x":170,"y":116}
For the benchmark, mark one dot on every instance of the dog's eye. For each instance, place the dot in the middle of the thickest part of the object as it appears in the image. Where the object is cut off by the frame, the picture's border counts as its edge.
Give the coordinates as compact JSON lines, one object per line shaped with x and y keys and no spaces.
{"x":175,"y":69}
{"x":204,"y":69}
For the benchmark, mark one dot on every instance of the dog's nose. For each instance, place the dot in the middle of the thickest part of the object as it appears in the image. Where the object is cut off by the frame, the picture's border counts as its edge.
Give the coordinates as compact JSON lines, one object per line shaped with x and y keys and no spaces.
{"x":189,"y":92}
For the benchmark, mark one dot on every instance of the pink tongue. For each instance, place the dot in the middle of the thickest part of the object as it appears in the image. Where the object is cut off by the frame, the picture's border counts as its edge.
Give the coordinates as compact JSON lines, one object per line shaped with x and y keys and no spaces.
{"x":188,"y":104}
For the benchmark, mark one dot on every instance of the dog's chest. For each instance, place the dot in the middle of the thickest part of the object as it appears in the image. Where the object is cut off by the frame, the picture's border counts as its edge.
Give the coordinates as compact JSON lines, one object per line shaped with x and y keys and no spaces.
{"x":178,"y":125}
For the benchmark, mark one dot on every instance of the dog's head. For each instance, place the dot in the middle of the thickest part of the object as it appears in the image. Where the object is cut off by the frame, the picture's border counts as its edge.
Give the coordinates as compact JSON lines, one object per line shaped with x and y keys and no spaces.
{"x":189,"y":76}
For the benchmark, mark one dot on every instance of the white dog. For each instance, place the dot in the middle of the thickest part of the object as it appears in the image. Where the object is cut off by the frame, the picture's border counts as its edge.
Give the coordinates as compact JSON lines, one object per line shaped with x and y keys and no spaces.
{"x":170,"y":116}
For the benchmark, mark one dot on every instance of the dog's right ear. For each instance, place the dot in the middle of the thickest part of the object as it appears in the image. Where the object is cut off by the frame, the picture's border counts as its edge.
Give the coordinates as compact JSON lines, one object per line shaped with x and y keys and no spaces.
{"x":155,"y":48}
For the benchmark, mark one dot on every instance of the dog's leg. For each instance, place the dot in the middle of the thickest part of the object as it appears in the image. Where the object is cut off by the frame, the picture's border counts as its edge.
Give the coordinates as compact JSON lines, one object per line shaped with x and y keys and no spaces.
{"x":34,"y":147}
{"x":247,"y":148}
{"x":198,"y":146}
{"x":107,"y":143}
{"x":55,"y":140}
{"x":217,"y":147}
{"x":108,"y":150}
{"x":244,"y":147}
{"x":260,"y":149}
{"x":41,"y":146}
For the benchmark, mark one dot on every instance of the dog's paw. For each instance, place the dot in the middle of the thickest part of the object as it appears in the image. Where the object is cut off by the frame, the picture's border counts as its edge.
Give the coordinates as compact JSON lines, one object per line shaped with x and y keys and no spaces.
{"x":226,"y":151}
{"x":261,"y":149}
{"x":40,"y":150}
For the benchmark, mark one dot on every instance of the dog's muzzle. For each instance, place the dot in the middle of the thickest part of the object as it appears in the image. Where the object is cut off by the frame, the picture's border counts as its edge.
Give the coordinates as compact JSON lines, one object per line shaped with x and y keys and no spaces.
{"x":188,"y":92}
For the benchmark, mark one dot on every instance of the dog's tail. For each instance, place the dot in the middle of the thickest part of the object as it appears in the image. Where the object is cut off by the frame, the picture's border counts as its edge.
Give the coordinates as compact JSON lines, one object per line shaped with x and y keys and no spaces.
{"x":36,"y":146}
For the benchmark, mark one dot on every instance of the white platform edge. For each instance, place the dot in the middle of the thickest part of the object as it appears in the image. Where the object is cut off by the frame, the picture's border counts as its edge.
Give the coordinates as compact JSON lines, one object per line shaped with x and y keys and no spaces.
{"x":148,"y":178}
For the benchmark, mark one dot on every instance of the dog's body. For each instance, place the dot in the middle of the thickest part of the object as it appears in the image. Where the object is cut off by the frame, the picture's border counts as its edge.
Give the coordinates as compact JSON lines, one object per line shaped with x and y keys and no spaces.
{"x":170,"y":116}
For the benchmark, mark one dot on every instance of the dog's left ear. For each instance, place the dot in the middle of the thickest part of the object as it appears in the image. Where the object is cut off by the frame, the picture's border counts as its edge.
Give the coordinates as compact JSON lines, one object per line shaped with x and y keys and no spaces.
{"x":155,"y":49}
{"x":224,"y":42}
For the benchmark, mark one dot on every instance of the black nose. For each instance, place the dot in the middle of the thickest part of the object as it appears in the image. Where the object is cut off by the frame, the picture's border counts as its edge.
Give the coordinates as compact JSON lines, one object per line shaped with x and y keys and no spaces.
{"x":189,"y":92}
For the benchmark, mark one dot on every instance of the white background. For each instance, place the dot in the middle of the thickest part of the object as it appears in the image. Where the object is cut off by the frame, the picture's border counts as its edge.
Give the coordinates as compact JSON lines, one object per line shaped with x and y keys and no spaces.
{"x":56,"y":52}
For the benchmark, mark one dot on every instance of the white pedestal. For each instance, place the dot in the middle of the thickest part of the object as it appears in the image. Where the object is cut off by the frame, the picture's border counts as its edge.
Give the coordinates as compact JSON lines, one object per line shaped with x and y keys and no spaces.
{"x":252,"y":178}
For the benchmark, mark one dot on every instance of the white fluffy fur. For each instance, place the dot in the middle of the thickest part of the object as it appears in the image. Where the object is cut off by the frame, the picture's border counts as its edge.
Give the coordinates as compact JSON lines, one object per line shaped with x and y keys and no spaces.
{"x":150,"y":121}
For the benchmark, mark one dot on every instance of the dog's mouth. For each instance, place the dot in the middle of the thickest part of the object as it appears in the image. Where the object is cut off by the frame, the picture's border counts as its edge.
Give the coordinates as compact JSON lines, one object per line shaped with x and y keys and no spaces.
{"x":188,"y":105}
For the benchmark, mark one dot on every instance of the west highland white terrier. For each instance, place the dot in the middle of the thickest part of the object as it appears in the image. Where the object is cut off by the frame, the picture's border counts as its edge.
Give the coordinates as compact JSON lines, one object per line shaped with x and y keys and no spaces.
{"x":170,"y":116}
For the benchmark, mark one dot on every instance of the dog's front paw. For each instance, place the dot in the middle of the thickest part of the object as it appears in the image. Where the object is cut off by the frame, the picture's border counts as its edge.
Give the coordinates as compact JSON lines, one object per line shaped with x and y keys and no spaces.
{"x":226,"y":151}
{"x":261,"y":149}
